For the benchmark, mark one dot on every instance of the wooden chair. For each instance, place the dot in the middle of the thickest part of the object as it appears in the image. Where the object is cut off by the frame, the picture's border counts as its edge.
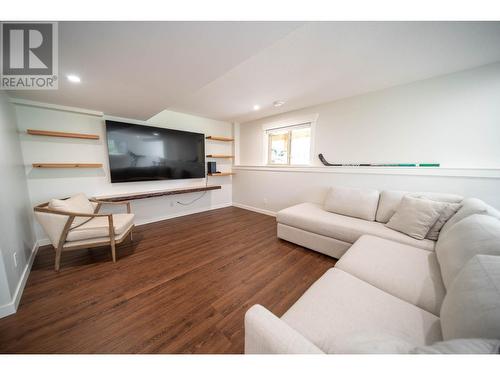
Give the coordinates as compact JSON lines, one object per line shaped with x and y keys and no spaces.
{"x":95,"y":230}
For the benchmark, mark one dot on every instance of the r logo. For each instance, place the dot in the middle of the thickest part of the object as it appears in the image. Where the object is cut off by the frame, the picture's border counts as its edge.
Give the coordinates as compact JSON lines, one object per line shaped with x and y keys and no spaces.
{"x":29,"y":55}
{"x":27,"y":48}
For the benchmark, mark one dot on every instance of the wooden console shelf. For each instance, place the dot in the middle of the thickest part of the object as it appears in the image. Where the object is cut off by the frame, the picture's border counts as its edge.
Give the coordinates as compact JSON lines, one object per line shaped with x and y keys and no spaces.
{"x":216,"y":138}
{"x":151,"y":194}
{"x":220,"y":174}
{"x":220,"y":156}
{"x":61,"y":134}
{"x":67,"y":165}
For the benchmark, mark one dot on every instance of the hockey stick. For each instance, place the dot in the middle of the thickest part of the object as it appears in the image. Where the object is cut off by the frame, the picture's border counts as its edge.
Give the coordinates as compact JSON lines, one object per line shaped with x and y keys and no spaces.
{"x":325,"y":162}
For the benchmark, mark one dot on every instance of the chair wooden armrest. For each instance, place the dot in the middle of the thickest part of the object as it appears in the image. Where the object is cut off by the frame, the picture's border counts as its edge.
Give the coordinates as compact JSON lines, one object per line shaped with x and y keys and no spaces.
{"x":68,"y":213}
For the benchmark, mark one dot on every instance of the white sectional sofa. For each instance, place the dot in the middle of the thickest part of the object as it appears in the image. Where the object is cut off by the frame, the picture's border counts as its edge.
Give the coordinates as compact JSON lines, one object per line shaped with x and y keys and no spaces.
{"x":389,"y":293}
{"x":311,"y":226}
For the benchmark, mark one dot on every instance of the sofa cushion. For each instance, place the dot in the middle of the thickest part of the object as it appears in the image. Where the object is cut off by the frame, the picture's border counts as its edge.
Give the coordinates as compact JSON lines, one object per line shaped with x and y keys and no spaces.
{"x":360,"y":203}
{"x":460,"y":346}
{"x":476,"y":234}
{"x":339,"y":305}
{"x":369,"y":342}
{"x":77,"y":203}
{"x":470,"y":206}
{"x":389,"y":201}
{"x":99,"y":227}
{"x":313,"y":218}
{"x":415,"y":216}
{"x":406,"y":272}
{"x":471,"y":307}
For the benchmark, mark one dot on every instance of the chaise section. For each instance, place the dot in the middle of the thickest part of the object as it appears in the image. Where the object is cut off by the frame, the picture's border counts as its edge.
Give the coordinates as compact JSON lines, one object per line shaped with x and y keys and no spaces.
{"x":323,"y":244}
{"x":311,"y":217}
{"x":339,"y":306}
{"x":407,"y":272}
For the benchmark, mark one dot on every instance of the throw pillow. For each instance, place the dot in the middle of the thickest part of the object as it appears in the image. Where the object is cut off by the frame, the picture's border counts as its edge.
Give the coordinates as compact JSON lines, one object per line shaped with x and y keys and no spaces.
{"x":415,"y":216}
{"x":78,"y":203}
{"x":449,"y":209}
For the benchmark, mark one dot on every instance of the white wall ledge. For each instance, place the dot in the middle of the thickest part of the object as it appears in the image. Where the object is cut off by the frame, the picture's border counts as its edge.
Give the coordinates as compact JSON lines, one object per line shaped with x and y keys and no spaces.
{"x":409,"y":171}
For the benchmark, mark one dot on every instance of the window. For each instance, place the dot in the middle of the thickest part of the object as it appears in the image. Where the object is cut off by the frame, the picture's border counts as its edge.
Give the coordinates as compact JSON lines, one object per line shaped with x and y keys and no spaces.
{"x":289,"y":145}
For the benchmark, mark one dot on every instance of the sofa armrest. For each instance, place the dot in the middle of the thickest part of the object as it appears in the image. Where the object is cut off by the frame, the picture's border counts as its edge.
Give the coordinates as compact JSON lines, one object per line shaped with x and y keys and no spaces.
{"x":265,"y":333}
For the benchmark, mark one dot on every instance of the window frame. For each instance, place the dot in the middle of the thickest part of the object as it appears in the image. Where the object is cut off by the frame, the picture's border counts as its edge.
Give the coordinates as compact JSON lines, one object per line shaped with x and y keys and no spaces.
{"x":290,"y":123}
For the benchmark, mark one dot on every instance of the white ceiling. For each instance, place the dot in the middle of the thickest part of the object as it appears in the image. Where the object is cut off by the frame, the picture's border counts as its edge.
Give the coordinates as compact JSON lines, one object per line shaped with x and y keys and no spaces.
{"x":221,"y":69}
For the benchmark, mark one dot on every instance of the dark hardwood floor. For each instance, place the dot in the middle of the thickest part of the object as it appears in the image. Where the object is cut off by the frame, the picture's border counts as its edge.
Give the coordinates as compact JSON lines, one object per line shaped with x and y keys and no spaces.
{"x":182,"y":286}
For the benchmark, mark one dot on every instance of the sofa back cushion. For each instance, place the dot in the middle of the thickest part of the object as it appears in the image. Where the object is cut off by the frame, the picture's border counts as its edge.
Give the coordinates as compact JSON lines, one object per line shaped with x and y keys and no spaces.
{"x":476,"y":234}
{"x":470,"y":206}
{"x":471,"y":308}
{"x":360,"y":203}
{"x":390,"y":199}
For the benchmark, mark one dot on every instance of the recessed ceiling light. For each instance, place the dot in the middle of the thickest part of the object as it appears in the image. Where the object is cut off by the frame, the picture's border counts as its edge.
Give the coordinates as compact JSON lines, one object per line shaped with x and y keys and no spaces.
{"x":278,"y":103}
{"x":155,"y":133}
{"x":73,"y":78}
{"x":256,"y":107}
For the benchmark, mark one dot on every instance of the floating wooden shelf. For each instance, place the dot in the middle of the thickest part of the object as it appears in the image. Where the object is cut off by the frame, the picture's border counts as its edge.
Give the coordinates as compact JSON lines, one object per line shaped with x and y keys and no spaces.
{"x":67,"y":165}
{"x":223,"y":139}
{"x":220,"y":174}
{"x":220,"y":156}
{"x":61,"y":134}
{"x":151,"y":194}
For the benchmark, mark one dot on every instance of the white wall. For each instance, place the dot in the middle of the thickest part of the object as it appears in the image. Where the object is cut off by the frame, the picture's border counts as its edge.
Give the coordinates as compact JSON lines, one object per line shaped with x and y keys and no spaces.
{"x":453,"y":120}
{"x":44,"y":184}
{"x":16,"y":227}
{"x":271,"y":190}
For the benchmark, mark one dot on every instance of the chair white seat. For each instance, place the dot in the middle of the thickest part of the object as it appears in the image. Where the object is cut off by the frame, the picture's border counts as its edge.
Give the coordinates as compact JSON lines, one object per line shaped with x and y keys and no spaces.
{"x":68,"y":245}
{"x":99,"y":227}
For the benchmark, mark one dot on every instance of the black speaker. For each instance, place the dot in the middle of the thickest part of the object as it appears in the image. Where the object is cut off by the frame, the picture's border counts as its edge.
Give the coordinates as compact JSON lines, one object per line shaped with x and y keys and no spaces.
{"x":211,"y":167}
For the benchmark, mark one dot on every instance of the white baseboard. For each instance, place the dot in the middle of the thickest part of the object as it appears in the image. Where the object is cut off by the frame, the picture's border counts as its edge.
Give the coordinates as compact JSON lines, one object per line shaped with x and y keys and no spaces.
{"x":255,"y":209}
{"x":7,"y":309}
{"x":11,"y":307}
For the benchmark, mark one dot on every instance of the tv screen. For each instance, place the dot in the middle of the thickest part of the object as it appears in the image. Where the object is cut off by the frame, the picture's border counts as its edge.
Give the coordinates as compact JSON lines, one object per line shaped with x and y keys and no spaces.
{"x":145,"y":153}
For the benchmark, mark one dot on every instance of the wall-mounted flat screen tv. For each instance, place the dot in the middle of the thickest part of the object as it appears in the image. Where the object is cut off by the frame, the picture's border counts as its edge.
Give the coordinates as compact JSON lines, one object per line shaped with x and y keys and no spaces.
{"x":146,"y":153}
